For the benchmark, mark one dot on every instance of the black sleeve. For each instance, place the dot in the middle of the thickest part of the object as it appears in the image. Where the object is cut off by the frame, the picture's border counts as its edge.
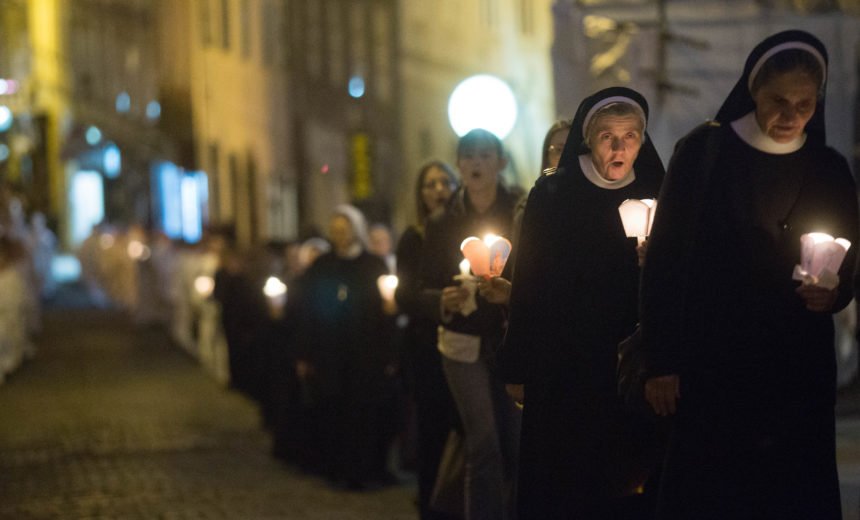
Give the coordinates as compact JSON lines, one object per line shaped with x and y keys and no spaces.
{"x":668,"y":262}
{"x":530,"y":280}
{"x":408,"y":269}
{"x":845,"y":213}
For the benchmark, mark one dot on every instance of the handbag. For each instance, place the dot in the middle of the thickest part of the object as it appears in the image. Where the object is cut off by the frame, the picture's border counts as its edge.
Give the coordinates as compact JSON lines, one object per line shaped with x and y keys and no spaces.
{"x":449,"y":490}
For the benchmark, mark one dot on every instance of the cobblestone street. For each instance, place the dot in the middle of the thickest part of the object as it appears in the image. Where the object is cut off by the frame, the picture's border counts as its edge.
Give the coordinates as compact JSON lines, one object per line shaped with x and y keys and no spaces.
{"x":113,"y":422}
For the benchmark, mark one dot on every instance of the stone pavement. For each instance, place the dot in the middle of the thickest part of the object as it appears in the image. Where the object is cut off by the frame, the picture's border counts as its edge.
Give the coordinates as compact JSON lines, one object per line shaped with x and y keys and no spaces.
{"x":112,"y":422}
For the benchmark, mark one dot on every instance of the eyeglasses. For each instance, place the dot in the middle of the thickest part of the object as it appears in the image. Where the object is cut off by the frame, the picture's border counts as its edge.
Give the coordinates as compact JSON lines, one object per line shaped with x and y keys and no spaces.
{"x":439,"y":183}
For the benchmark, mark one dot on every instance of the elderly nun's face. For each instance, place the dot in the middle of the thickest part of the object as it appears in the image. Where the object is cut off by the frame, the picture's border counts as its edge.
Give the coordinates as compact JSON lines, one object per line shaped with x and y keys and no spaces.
{"x":785,"y":104}
{"x":341,"y":234}
{"x":615,"y":142}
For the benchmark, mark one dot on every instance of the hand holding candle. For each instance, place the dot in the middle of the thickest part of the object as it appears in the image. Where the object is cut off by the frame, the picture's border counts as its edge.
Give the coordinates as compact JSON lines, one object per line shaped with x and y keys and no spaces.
{"x":821,"y":255}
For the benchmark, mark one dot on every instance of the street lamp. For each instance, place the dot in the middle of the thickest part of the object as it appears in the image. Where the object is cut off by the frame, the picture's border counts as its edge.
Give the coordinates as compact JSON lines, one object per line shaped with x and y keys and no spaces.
{"x":482,"y":101}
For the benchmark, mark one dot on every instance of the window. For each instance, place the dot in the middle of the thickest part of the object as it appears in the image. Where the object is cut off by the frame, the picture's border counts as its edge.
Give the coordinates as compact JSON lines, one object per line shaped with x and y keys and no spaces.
{"x":245,"y":17}
{"x":336,"y":30}
{"x":205,"y":22}
{"x":527,"y":17}
{"x":225,"y":24}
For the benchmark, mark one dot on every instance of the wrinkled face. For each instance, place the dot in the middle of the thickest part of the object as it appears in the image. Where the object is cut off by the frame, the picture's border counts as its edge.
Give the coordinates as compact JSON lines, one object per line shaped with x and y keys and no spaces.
{"x":615,"y":144}
{"x":556,"y":146}
{"x":785,"y":104}
{"x":480,"y":166}
{"x":435,"y":190}
{"x":341,"y":234}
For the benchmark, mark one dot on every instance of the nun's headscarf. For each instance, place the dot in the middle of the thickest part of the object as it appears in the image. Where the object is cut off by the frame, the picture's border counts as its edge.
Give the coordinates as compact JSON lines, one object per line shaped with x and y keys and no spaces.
{"x":647,"y":162}
{"x":358,"y":222}
{"x":740,"y":101}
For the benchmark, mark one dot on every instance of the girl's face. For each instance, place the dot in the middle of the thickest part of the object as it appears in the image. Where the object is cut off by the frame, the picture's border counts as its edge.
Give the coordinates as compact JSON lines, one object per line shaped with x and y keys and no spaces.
{"x":480,"y":166}
{"x":556,"y":146}
{"x":785,"y":104}
{"x":435,"y":190}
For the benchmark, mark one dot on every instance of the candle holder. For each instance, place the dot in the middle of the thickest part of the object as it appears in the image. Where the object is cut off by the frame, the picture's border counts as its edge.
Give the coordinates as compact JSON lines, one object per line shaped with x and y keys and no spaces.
{"x":486,"y":257}
{"x":637,"y":216}
{"x":821,"y":255}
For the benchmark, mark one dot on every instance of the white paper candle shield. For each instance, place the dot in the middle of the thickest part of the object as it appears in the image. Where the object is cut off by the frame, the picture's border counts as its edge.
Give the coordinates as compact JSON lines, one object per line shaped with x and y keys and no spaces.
{"x":821,"y":255}
{"x":637,"y":216}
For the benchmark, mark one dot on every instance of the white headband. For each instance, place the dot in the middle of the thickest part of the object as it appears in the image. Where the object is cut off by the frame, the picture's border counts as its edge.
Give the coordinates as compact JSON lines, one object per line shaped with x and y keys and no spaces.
{"x":784,"y":47}
{"x":608,"y":101}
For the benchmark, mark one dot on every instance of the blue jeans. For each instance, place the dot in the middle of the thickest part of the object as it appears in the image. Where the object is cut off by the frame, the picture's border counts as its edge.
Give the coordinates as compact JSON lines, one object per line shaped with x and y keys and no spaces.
{"x":491,"y":424}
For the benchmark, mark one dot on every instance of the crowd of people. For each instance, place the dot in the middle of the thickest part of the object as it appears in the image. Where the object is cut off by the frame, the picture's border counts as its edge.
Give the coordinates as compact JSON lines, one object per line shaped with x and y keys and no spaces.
{"x":26,"y":249}
{"x":501,"y":392}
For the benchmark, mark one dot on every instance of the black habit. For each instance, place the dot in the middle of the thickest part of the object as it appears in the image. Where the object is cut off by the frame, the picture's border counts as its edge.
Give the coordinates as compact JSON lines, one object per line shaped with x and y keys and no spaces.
{"x":574,"y":298}
{"x":753,"y":437}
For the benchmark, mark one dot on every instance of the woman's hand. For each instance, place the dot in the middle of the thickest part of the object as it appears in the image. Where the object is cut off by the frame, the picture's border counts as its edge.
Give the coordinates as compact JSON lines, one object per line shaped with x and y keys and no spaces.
{"x":817,"y":299}
{"x":453,"y":298}
{"x":495,"y":289}
{"x":662,"y":393}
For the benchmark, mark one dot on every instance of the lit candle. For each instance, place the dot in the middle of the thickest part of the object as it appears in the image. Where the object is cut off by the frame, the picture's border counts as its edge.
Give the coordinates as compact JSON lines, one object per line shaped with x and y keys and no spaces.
{"x":486,"y":257}
{"x":821,"y":255}
{"x":465,"y":267}
{"x":637,"y":217}
{"x":387,"y":284}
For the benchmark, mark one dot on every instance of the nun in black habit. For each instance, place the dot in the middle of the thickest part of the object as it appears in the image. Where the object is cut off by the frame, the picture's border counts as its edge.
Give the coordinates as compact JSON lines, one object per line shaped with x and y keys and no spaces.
{"x":574,"y":298}
{"x":740,"y":353}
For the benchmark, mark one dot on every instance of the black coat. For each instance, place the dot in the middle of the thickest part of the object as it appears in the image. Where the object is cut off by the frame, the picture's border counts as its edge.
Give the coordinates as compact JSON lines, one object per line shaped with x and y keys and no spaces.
{"x":441,"y":257}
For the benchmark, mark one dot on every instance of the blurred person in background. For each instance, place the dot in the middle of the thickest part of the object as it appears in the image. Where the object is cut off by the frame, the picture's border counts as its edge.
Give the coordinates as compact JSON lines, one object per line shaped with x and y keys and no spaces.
{"x":471,"y":328}
{"x":347,"y":350}
{"x":435,"y":414}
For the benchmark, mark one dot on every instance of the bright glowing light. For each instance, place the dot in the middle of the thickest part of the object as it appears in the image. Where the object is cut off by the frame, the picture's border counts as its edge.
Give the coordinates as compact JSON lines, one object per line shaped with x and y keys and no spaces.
{"x":86,"y":203}
{"x":123,"y":102}
{"x":274,"y":287}
{"x":204,"y":285}
{"x":192,"y":225}
{"x":6,"y":118}
{"x":137,"y":250}
{"x":4,"y":87}
{"x":153,"y":110}
{"x":112,"y":161}
{"x":465,"y":267}
{"x":356,"y":86}
{"x":482,"y":101}
{"x":490,"y":239}
{"x":106,"y":241}
{"x":8,"y":86}
{"x":4,"y":152}
{"x":637,"y":217}
{"x":93,"y":135}
{"x":387,"y":284}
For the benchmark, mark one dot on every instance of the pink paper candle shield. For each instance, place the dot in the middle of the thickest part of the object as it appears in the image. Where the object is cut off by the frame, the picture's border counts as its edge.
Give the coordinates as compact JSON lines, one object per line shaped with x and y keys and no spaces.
{"x":486,"y":257}
{"x":820,"y":252}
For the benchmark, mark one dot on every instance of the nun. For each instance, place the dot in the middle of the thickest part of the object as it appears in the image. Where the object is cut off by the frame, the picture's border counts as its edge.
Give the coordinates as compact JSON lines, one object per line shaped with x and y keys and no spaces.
{"x":347,"y":355}
{"x":738,"y":352}
{"x":574,"y":298}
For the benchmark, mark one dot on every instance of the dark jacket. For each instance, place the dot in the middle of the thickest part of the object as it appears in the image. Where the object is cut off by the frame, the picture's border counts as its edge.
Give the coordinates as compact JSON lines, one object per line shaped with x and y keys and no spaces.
{"x":441,"y":257}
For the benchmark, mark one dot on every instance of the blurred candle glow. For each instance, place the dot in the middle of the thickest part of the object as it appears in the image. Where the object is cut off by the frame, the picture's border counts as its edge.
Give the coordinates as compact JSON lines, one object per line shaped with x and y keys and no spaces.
{"x":204,"y":285}
{"x":387,"y":284}
{"x":465,"y":267}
